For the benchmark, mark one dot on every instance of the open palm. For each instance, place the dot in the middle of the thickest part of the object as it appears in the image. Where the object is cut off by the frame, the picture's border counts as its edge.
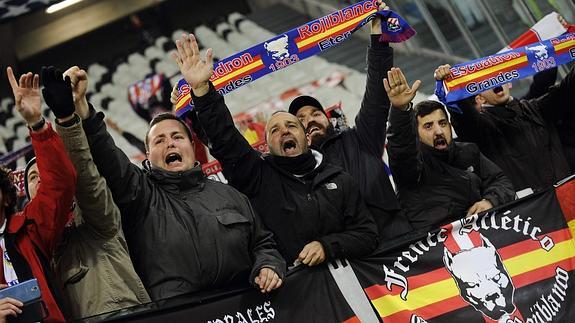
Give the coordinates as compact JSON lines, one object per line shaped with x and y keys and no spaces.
{"x":400,"y":94}
{"x":196,"y":71}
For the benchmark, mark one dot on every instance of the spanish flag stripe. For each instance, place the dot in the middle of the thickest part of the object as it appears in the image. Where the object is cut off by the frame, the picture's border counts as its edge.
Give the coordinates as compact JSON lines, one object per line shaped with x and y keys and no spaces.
{"x":456,"y":302}
{"x":238,"y":76}
{"x":493,"y":69}
{"x":564,"y":46}
{"x":441,"y":290}
{"x":430,"y":311}
{"x":183,"y":102}
{"x":507,"y":252}
{"x":308,"y":45}
{"x":331,"y":31}
{"x":540,"y":258}
{"x":494,"y":73}
{"x":254,"y":66}
{"x":522,"y":247}
{"x":542,"y":273}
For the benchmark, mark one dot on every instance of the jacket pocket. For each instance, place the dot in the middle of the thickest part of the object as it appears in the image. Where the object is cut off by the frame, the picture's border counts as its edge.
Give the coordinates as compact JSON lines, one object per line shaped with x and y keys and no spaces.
{"x":231,"y":218}
{"x":74,"y":274}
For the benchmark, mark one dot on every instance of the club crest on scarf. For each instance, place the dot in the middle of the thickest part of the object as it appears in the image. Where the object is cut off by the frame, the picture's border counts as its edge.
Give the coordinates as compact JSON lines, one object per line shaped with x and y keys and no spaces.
{"x":296,"y":45}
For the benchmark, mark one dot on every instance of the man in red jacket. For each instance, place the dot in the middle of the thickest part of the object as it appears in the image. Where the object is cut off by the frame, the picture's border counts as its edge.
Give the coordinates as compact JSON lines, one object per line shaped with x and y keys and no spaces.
{"x":33,"y":234}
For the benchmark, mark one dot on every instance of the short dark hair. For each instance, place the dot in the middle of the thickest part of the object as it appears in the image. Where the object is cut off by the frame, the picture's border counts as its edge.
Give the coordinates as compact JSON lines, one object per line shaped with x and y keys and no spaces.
{"x":426,"y":107}
{"x":167,"y":116}
{"x":8,"y":190}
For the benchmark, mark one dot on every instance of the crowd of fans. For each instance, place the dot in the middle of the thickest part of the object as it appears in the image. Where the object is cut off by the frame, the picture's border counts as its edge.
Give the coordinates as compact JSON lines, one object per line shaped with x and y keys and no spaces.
{"x":100,"y":233}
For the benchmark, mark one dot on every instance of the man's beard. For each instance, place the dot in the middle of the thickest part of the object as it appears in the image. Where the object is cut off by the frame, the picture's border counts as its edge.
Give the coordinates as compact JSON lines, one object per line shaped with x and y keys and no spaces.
{"x":318,"y":140}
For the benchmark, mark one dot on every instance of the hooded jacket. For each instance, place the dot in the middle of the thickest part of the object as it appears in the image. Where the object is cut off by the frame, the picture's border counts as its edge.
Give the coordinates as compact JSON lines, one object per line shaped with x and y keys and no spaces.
{"x":325,"y":206}
{"x":437,"y":188}
{"x":186,"y":233}
{"x":521,"y":136}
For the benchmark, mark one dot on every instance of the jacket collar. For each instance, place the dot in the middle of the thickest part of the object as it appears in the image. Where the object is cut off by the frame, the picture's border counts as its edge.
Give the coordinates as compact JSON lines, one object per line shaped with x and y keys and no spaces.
{"x":179,"y":181}
{"x":321,"y":173}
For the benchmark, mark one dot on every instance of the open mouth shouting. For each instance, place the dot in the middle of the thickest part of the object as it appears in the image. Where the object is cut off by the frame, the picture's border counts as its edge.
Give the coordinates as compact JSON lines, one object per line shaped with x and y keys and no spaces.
{"x":313,"y":129}
{"x":440,"y":143}
{"x":498,"y":89}
{"x":173,"y":160}
{"x":289,"y":147}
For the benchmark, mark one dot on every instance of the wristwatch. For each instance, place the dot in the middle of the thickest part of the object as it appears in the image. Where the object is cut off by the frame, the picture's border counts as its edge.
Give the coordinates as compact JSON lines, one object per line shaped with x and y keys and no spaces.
{"x":38,"y":125}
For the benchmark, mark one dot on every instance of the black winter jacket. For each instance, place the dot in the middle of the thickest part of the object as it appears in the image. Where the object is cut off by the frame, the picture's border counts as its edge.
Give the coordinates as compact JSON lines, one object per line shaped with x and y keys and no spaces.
{"x":434,"y":192}
{"x":521,"y":137}
{"x":359,"y":150}
{"x":327,"y":208}
{"x":185,"y":233}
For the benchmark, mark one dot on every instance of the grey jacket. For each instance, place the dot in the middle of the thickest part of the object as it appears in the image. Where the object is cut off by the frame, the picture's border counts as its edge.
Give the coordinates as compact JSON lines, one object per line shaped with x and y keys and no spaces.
{"x":93,"y":265}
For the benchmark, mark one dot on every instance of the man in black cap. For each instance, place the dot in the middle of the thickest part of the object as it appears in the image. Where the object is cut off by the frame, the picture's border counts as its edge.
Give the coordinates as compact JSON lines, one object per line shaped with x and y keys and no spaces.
{"x":313,"y":208}
{"x":359,"y":150}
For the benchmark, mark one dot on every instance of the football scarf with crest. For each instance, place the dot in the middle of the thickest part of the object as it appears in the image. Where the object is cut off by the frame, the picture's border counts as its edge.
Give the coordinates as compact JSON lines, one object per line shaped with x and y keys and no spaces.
{"x":295,"y":45}
{"x":473,"y":77}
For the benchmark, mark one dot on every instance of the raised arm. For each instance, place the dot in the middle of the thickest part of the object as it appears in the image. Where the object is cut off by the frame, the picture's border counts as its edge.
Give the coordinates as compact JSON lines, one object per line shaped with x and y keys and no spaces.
{"x":557,"y":104}
{"x":93,"y":196}
{"x":51,"y":207}
{"x":470,"y":125}
{"x":542,"y":81}
{"x":213,"y":122}
{"x":371,"y":121}
{"x":128,"y":183}
{"x":402,"y":145}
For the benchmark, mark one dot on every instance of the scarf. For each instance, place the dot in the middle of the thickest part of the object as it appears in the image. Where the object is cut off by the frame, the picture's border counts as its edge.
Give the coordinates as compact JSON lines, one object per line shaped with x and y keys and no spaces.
{"x":296,"y":45}
{"x":299,"y":165}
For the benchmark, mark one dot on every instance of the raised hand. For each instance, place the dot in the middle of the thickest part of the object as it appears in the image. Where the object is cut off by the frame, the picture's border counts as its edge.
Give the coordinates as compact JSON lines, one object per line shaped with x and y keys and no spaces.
{"x":196,"y":71}
{"x":376,"y":22}
{"x":27,"y":96}
{"x":399,"y":92}
{"x":174,"y":95}
{"x":442,"y":72}
{"x":57,"y":92}
{"x":79,"y":82}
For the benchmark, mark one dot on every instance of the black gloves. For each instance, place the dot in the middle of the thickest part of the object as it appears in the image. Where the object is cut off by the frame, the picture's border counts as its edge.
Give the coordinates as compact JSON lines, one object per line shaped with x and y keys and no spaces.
{"x":57,"y":92}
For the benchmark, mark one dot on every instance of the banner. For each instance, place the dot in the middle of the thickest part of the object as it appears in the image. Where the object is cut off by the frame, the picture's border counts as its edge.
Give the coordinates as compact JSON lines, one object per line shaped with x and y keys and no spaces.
{"x":511,"y":265}
{"x":471,"y":78}
{"x":295,"y":45}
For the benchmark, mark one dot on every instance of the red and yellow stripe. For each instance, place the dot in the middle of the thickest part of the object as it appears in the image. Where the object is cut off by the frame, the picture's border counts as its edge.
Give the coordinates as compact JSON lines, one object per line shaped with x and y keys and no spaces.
{"x":564,"y":46}
{"x":435,"y":293}
{"x":303,"y":44}
{"x":486,"y":73}
{"x":221,"y":81}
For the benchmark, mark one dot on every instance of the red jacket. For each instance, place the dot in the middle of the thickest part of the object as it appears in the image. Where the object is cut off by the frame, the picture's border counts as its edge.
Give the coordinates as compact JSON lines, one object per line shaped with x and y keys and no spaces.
{"x":38,"y":229}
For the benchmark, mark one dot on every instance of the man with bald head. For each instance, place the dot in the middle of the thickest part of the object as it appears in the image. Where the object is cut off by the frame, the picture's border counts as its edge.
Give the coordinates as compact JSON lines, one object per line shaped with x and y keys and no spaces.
{"x":313,"y":208}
